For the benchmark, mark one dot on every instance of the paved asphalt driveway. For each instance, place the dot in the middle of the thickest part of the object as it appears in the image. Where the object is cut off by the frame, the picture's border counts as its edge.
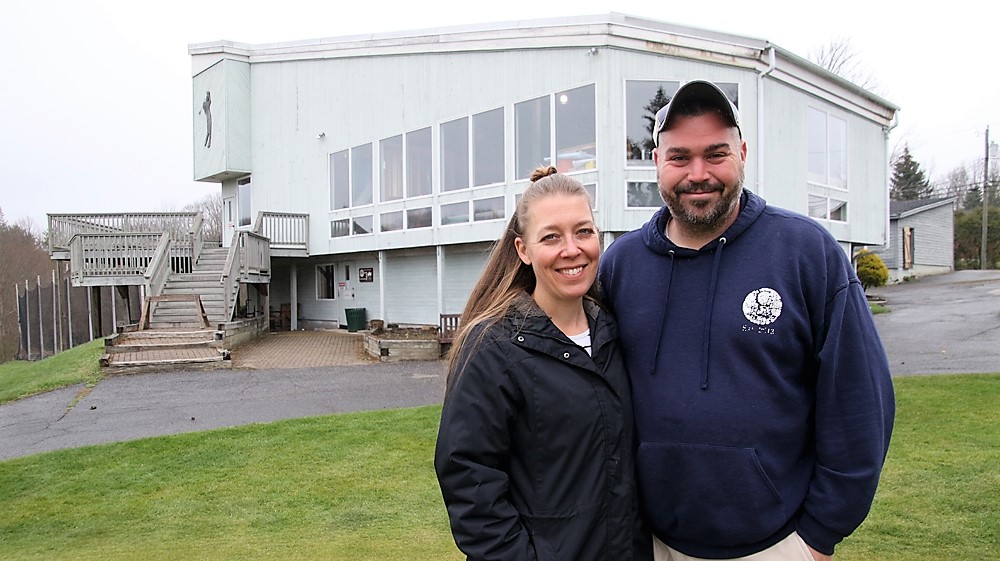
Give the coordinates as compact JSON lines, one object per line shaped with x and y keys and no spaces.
{"x":942,"y":324}
{"x":947,"y":323}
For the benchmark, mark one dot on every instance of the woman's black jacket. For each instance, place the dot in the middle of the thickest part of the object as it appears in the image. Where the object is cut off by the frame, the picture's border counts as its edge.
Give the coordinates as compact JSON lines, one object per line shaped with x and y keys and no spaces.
{"x":534,"y":452}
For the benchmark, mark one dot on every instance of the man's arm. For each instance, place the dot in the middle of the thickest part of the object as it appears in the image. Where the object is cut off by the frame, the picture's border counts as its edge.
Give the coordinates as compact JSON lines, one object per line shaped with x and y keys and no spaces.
{"x":855,"y":408}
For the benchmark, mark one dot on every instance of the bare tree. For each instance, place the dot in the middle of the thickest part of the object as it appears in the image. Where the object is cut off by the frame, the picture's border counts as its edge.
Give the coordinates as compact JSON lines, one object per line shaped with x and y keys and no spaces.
{"x":210,"y":207}
{"x":839,"y":57}
{"x":22,"y":257}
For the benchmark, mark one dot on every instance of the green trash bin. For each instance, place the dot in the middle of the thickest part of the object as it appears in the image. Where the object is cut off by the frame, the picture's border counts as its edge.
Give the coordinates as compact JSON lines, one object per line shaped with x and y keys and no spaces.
{"x":356,"y":319}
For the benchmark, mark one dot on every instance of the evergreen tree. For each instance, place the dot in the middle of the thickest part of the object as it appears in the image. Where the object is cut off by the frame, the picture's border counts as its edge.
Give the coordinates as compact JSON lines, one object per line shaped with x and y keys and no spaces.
{"x":659,"y":100}
{"x":908,"y":179}
{"x":973,"y":198}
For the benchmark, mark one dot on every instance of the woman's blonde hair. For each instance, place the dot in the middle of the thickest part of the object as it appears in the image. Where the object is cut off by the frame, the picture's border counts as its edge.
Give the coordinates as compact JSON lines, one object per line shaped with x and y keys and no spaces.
{"x":505,"y":276}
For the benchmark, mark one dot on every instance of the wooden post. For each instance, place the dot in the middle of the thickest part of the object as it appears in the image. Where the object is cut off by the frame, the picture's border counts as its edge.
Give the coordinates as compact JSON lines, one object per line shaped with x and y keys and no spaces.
{"x":41,"y":334}
{"x":90,"y":312}
{"x":56,"y":343}
{"x":69,"y":311}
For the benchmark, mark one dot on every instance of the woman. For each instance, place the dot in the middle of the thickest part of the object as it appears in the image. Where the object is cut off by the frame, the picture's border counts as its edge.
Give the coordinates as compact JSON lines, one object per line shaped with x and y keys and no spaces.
{"x":534,"y":452}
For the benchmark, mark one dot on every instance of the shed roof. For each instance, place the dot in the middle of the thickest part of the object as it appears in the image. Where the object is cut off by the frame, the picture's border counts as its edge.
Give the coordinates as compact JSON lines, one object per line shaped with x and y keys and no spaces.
{"x":902,"y":209}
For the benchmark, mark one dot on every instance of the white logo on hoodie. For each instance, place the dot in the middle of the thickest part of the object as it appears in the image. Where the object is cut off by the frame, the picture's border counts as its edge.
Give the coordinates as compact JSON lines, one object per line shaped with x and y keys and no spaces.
{"x":762,"y":306}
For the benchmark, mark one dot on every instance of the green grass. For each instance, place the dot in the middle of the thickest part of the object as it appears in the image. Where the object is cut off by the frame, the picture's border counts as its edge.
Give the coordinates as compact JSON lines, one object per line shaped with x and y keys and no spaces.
{"x":878,"y":308}
{"x":939,"y":497}
{"x":361,"y":486}
{"x":343,"y":487}
{"x":78,"y":365}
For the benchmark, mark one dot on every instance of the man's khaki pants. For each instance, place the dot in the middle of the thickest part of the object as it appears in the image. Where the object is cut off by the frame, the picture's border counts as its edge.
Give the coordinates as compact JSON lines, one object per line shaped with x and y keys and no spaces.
{"x":791,"y":548}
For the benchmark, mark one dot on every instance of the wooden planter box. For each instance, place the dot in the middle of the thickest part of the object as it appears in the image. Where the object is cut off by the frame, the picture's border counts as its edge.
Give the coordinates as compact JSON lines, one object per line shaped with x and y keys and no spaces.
{"x":397,"y":350}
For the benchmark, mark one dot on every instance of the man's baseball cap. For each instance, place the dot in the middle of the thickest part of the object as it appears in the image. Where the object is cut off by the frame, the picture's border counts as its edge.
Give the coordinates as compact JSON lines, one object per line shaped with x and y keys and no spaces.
{"x":705,"y":92}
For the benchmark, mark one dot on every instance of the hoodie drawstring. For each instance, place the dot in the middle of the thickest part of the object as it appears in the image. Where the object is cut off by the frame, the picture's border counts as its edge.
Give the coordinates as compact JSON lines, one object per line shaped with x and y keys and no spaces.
{"x":706,"y":335}
{"x":659,"y":335}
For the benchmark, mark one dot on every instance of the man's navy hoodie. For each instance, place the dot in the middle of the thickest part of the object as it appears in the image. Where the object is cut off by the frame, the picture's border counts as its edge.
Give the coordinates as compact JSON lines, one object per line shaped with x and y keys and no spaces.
{"x":762,"y":392}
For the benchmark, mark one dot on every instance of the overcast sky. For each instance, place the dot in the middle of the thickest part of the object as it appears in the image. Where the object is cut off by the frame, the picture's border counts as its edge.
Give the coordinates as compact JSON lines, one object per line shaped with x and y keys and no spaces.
{"x":95,"y":95}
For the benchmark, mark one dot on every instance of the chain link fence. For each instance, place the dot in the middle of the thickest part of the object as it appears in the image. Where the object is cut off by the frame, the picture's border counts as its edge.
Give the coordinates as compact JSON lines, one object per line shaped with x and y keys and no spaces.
{"x":53,"y":315}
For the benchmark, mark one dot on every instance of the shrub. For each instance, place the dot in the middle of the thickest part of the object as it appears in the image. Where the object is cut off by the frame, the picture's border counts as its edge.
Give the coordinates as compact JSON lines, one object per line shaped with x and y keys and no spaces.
{"x":871,"y":270}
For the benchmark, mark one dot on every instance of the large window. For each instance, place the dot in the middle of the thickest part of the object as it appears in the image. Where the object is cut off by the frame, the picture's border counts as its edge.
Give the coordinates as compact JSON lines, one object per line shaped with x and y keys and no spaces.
{"x":351,"y":177}
{"x":643,"y":98}
{"x":532,"y":145}
{"x":340,"y":180}
{"x":575,"y":132}
{"x":827,"y":149}
{"x":488,"y":148}
{"x":361,"y":175}
{"x":576,"y":129}
{"x":481,"y":160}
{"x":418,"y":163}
{"x":391,"y":166}
{"x":455,"y":154}
{"x":827,"y":146}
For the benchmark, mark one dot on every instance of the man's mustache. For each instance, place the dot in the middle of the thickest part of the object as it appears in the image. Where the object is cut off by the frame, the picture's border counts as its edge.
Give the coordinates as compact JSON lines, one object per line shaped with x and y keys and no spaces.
{"x":705,"y":187}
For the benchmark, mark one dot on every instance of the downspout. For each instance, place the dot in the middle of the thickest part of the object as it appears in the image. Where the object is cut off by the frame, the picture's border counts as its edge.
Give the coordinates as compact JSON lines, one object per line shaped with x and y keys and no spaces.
{"x":888,"y":164}
{"x":772,"y":62}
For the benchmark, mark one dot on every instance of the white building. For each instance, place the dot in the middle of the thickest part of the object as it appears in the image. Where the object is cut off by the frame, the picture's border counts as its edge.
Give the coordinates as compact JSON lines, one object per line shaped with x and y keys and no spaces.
{"x":395,"y":159}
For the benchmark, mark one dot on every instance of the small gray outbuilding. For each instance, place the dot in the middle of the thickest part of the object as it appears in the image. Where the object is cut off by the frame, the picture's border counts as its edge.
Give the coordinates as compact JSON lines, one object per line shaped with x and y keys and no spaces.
{"x":921,"y":238}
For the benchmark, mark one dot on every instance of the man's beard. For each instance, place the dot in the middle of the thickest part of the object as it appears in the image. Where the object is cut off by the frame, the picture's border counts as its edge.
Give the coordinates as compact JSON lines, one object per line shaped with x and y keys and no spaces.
{"x":718,"y":212}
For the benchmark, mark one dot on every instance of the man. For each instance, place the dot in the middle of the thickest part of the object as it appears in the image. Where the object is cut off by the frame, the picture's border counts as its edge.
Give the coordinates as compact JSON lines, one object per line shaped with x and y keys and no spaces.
{"x":763,"y":399}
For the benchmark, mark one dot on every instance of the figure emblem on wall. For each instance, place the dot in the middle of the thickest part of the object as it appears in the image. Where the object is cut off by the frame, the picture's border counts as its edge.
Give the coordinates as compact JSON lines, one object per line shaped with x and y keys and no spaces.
{"x":206,"y":108}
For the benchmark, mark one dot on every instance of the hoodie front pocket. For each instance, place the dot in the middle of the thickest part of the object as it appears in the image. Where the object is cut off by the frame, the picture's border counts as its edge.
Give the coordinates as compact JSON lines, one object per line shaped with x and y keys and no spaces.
{"x":707,"y":494}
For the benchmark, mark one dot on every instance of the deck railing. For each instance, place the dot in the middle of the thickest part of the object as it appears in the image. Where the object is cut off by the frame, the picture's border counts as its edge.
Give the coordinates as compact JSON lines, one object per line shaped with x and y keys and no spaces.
{"x":179,"y":225}
{"x":248,"y":260}
{"x":286,"y":230}
{"x":123,"y":257}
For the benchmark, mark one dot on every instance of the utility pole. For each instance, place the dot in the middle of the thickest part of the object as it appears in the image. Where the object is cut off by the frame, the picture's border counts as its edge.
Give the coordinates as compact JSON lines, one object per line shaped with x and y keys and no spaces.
{"x":986,"y":197}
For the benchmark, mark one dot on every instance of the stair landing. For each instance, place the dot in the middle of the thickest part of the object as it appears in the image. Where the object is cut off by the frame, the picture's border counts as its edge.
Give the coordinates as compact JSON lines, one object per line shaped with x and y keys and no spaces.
{"x":155,"y":350}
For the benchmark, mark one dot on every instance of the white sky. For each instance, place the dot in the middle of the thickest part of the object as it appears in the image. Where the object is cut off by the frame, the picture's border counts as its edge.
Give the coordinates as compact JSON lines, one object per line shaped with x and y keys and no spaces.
{"x":95,"y":94}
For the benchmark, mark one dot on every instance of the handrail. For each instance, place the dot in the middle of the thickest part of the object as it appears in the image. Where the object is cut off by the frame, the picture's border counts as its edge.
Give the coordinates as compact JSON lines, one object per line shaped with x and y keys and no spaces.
{"x":248,"y":260}
{"x":230,"y":275}
{"x":159,"y":268}
{"x":197,"y":239}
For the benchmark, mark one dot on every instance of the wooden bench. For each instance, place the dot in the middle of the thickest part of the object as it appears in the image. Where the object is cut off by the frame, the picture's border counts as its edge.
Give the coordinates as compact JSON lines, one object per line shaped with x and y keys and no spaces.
{"x":448,"y":327}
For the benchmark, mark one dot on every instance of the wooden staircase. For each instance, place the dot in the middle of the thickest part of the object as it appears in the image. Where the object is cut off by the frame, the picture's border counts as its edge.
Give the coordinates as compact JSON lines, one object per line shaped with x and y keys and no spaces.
{"x":202,"y":281}
{"x":177,"y":329}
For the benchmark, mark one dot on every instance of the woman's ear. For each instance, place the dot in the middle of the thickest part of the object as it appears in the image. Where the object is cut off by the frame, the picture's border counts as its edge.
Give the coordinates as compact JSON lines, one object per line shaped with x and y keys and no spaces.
{"x":522,"y":251}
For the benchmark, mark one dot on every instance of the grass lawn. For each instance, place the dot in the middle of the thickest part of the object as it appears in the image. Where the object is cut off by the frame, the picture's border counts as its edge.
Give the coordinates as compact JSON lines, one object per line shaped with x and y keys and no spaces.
{"x":21,"y":378}
{"x":361,"y":486}
{"x":342,"y":487}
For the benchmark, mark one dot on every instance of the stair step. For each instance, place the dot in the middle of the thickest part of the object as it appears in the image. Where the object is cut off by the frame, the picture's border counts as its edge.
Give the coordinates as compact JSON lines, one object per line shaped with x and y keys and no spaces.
{"x":206,"y":276}
{"x":180,"y":324}
{"x":202,"y":357}
{"x":176,"y":287}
